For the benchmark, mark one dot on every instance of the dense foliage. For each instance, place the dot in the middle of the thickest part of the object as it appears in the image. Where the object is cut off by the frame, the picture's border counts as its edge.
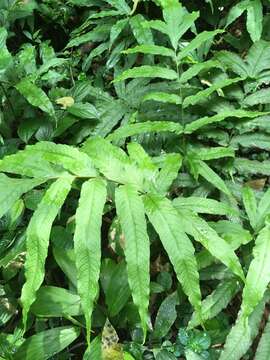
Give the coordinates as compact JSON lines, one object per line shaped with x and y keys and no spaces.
{"x":134,"y":175}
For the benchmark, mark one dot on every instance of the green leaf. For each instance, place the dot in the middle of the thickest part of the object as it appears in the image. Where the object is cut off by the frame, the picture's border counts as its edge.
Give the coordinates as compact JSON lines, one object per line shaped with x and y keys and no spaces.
{"x":166,"y":316}
{"x":258,"y":59}
{"x":150,"y":49}
{"x":218,"y":300}
{"x":38,"y":233}
{"x":243,"y":333}
{"x":217,"y":152}
{"x":87,"y":244}
{"x":178,"y":246}
{"x":263,"y":349}
{"x":142,"y":33}
{"x":233,"y":62}
{"x":5,"y":56}
{"x":250,"y":204}
{"x":203,"y":94}
{"x":47,"y":343}
{"x":144,"y":127}
{"x":213,"y":178}
{"x":35,"y":96}
{"x":130,"y":210}
{"x":120,"y":5}
{"x":263,"y":209}
{"x":147,"y":71}
{"x":196,"y":43}
{"x":258,"y":275}
{"x":259,"y":97}
{"x":168,"y":172}
{"x":246,"y":166}
{"x":12,"y":189}
{"x":204,"y":206}
{"x":113,"y":162}
{"x":197,"y":124}
{"x":117,"y":292}
{"x":255,"y":19}
{"x":193,"y":225}
{"x":195,"y":69}
{"x":163,"y":97}
{"x":83,"y":111}
{"x":116,"y":30}
{"x":236,"y":11}
{"x":52,"y":301}
{"x":256,"y":140}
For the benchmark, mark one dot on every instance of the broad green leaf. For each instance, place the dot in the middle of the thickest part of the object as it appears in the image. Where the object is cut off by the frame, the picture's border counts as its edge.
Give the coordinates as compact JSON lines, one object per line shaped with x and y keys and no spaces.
{"x":258,"y":59}
{"x":256,"y":140}
{"x":258,"y":275}
{"x":120,"y":5}
{"x":212,"y":177}
{"x":166,"y":316}
{"x":11,"y":189}
{"x":52,"y":301}
{"x":236,"y":11}
{"x":38,"y":233}
{"x":46,"y":159}
{"x":255,"y":19}
{"x":150,"y":49}
{"x":99,"y":34}
{"x":263,"y":349}
{"x":142,"y":33}
{"x":259,"y":97}
{"x":68,"y":157}
{"x":204,"y":205}
{"x":163,"y":97}
{"x":215,"y":153}
{"x":144,"y":127}
{"x":263,"y":209}
{"x":203,"y":94}
{"x":83,"y":111}
{"x":193,"y":225}
{"x":233,"y":62}
{"x":5,"y":56}
{"x":130,"y":209}
{"x":35,"y":96}
{"x":196,"y":43}
{"x":168,"y":172}
{"x":195,"y":69}
{"x":243,"y":333}
{"x":197,"y":124}
{"x":46,"y":344}
{"x":117,"y":292}
{"x":247,"y":167}
{"x":147,"y":71}
{"x":116,"y":30}
{"x":94,"y":352}
{"x":178,"y":246}
{"x":113,"y":162}
{"x":157,"y":25}
{"x":218,"y":300}
{"x":87,"y":244}
{"x":250,"y":204}
{"x":177,"y":20}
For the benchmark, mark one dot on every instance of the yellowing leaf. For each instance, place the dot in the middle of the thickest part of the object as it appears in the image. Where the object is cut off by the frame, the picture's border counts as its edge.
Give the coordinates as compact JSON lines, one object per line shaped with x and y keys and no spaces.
{"x":65,"y":101}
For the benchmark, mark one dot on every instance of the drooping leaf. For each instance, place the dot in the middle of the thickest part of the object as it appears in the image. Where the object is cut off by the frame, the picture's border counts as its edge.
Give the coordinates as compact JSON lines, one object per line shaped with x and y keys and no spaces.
{"x":147,"y":71}
{"x":83,"y":111}
{"x":142,"y":33}
{"x":130,"y":209}
{"x":203,"y":94}
{"x":263,"y":349}
{"x":258,"y":275}
{"x":52,"y":301}
{"x":38,"y":233}
{"x":195,"y":43}
{"x":12,"y":189}
{"x":195,"y":69}
{"x":216,"y":301}
{"x":250,"y":204}
{"x":150,"y":49}
{"x":197,"y":124}
{"x":168,"y":172}
{"x":178,"y":246}
{"x":193,"y":225}
{"x":47,"y":343}
{"x":163,"y":97}
{"x":87,"y":244}
{"x":243,"y":333}
{"x":144,"y":127}
{"x":35,"y":96}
